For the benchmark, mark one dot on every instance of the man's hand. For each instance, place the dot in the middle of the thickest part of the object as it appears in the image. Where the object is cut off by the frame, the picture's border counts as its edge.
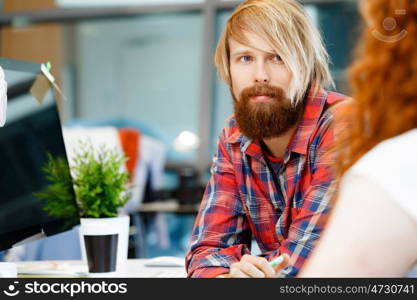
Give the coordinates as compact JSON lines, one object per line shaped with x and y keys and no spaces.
{"x":254,"y":267}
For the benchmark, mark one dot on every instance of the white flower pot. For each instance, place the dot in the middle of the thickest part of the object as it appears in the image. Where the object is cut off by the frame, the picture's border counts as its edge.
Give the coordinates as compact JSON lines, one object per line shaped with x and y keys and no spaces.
{"x":108,"y":226}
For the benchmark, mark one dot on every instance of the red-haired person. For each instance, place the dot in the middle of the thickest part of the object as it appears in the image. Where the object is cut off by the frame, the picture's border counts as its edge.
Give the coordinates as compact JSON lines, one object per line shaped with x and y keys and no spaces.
{"x":372,"y":231}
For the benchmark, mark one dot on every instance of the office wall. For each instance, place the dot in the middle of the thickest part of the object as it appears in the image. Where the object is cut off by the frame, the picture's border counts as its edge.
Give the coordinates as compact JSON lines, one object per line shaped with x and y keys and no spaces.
{"x":36,"y":43}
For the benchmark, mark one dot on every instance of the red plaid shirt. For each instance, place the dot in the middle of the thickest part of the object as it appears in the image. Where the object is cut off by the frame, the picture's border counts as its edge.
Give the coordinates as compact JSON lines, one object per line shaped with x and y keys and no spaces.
{"x":242,"y":200}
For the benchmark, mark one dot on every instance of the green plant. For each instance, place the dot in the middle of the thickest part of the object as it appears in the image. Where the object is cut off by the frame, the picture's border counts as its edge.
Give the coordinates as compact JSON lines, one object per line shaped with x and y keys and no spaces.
{"x":58,"y":196}
{"x":98,"y":180}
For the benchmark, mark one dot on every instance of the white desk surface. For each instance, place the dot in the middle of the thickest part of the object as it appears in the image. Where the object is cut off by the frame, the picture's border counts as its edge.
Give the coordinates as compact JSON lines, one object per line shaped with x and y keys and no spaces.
{"x":135,"y":268}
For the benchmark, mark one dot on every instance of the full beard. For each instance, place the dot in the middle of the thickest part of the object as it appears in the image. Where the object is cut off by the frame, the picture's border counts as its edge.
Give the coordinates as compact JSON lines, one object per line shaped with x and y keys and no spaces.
{"x":260,"y":121}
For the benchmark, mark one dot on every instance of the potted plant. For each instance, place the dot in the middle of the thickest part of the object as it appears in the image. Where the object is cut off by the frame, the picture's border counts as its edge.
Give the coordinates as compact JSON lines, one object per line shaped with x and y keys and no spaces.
{"x":100,"y":185}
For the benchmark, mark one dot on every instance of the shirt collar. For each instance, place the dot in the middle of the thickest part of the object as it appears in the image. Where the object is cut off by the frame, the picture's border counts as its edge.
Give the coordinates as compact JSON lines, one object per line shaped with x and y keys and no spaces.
{"x":313,"y":109}
{"x":314,"y":106}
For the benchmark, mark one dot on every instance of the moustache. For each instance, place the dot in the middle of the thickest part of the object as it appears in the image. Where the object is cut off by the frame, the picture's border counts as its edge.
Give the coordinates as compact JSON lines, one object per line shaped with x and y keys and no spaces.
{"x":274,"y":92}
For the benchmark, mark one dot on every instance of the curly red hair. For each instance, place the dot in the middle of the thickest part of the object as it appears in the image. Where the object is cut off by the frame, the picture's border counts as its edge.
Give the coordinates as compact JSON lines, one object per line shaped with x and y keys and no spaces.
{"x":383,"y":79}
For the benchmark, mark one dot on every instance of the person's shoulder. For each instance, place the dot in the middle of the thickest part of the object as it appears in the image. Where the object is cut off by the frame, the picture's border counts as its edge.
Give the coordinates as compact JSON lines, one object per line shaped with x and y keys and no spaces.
{"x":397,"y":154}
{"x":230,"y":121}
{"x":333,"y":98}
{"x":230,"y":130}
{"x":406,"y":141}
{"x":334,"y":108}
{"x":336,"y":103}
{"x":230,"y":125}
{"x":391,"y":165}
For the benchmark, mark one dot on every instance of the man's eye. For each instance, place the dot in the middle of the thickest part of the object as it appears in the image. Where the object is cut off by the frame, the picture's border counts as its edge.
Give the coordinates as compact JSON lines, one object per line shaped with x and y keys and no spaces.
{"x":245,"y":58}
{"x":277,"y":58}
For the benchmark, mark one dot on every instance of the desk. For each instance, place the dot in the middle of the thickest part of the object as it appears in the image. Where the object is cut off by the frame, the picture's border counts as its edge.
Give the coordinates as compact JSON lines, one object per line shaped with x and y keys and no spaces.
{"x":135,"y":269}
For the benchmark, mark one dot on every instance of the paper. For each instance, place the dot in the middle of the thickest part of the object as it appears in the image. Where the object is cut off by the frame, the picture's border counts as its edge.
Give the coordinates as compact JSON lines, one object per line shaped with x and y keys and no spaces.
{"x":43,"y":82}
{"x":165,"y":261}
{"x":3,"y":98}
{"x":51,"y":268}
{"x":40,"y":87}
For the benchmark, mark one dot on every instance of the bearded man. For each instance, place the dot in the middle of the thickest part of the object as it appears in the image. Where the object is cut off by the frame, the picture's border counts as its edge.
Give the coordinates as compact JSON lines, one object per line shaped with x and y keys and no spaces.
{"x":271,"y":175}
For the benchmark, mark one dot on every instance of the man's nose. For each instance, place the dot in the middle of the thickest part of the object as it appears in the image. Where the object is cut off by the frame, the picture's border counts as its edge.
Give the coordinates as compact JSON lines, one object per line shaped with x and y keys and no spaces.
{"x":261,"y":74}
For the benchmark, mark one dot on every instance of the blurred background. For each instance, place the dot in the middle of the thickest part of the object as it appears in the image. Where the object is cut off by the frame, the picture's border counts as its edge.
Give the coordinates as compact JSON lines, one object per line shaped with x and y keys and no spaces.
{"x":148,"y":65}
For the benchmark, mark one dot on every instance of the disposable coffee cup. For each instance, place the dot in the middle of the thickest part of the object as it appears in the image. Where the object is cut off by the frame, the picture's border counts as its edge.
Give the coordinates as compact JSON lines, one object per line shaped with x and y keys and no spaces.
{"x":101,"y":243}
{"x":101,"y":251}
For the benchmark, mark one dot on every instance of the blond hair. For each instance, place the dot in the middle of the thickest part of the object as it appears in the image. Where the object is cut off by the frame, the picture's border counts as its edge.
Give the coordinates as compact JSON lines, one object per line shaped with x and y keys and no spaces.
{"x":286,"y":27}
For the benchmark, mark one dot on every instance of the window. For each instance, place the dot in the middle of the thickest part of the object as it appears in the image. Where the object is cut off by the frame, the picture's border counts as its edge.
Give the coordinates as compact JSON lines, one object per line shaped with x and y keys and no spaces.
{"x":143,"y":69}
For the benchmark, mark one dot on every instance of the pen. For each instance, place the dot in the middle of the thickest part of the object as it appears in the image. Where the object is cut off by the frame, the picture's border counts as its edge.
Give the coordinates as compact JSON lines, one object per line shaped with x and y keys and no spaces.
{"x":276,"y":261}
